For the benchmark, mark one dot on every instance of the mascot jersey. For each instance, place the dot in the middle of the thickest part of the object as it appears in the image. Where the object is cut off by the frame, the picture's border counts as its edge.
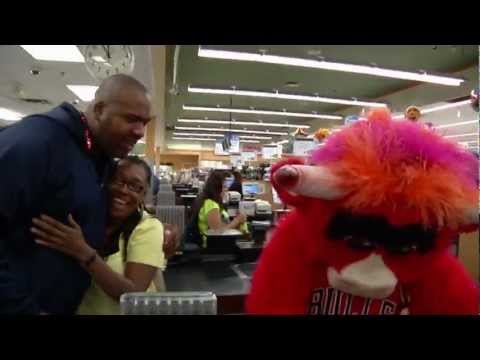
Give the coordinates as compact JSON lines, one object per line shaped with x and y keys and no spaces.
{"x":376,"y":210}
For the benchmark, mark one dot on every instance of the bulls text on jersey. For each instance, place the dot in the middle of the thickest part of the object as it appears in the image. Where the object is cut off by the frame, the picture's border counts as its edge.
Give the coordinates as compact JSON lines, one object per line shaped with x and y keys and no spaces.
{"x":331,"y":301}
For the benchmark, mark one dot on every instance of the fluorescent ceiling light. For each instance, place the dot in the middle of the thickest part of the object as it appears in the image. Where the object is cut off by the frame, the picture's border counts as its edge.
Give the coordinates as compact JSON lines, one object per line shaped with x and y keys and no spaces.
{"x":242,"y":123}
{"x":282,"y":142}
{"x":179,"y":133}
{"x":256,"y":137}
{"x":277,"y":95}
{"x":10,"y":115}
{"x":191,"y":138}
{"x":456,"y":124}
{"x":67,"y":53}
{"x":207,"y":139}
{"x":221,"y":135}
{"x":231,"y":130}
{"x":328,"y":65}
{"x":264,"y":112}
{"x":189,"y":147}
{"x":444,"y":107}
{"x":436,"y":108}
{"x":84,"y":92}
{"x":468,"y":142}
{"x":461,"y":135}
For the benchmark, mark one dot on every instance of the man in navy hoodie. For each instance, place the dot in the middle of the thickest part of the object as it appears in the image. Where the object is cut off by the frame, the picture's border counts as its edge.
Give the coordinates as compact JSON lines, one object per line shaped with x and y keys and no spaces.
{"x":56,"y":163}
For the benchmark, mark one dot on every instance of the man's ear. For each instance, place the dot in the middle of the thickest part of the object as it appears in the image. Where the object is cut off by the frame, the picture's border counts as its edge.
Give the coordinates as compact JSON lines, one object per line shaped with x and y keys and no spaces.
{"x":98,"y":109}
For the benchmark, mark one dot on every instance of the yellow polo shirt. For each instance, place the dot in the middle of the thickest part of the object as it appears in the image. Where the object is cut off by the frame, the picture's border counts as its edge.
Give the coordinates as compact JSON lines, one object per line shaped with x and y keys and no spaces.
{"x":144,"y":247}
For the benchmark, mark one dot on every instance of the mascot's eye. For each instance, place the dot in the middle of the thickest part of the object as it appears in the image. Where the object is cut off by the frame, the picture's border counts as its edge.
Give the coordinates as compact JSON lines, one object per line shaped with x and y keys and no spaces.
{"x":359,"y":243}
{"x":402,"y":249}
{"x":407,"y":248}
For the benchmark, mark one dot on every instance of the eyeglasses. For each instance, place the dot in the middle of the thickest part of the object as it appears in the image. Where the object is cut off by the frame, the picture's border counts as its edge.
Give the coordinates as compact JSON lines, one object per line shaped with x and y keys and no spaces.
{"x":136,"y":188}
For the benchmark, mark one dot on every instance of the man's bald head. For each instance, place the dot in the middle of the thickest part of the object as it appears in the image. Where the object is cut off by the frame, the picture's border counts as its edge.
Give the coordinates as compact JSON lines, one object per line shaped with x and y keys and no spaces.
{"x":119,"y":113}
{"x":115,"y":85}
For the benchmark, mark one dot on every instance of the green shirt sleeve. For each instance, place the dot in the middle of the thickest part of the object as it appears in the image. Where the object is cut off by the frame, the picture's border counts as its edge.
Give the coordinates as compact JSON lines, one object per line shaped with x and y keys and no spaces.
{"x":208,"y":205}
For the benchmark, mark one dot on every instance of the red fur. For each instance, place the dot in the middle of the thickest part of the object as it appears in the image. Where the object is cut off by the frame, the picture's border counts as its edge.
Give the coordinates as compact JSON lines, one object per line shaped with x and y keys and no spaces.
{"x":281,"y":284}
{"x":294,"y":259}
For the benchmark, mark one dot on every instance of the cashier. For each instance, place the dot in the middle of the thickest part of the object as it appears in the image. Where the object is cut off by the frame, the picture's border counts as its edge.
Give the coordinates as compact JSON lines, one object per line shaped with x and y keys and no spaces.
{"x":211,"y":211}
{"x":237,"y":183}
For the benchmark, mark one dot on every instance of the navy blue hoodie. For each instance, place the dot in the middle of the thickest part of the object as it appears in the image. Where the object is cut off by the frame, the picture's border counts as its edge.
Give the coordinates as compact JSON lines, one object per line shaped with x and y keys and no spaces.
{"x":46,"y":168}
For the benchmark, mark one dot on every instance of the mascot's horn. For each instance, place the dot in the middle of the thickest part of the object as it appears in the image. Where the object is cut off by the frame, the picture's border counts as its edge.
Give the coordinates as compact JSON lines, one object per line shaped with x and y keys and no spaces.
{"x":311,"y":181}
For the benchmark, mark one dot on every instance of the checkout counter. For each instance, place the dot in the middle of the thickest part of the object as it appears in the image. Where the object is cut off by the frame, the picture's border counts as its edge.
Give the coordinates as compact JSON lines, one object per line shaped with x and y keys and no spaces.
{"x":185,"y":195}
{"x":214,"y":270}
{"x":226,"y":266}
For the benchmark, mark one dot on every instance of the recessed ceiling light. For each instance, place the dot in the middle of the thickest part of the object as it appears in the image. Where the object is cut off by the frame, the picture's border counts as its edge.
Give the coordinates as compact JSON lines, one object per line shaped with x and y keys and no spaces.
{"x":84,"y":92}
{"x":313,"y":52}
{"x":329,"y":65}
{"x":67,"y":53}
{"x":264,"y":112}
{"x":242,"y":123}
{"x":292,"y":84}
{"x":10,"y":115}
{"x":231,"y":130}
{"x":277,"y":95}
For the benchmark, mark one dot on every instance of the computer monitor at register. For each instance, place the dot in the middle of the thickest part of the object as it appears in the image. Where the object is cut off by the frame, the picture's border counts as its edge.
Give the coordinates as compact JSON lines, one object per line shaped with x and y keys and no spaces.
{"x":252,"y":189}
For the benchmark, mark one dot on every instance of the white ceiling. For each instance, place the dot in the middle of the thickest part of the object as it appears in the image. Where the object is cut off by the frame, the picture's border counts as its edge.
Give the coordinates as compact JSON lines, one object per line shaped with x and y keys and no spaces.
{"x":443,"y":117}
{"x":456,"y":115}
{"x":461,"y":61}
{"x":50,"y":84}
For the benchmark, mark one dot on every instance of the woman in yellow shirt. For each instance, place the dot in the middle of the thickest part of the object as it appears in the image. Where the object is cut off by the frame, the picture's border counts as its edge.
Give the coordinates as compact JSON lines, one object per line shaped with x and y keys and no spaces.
{"x":133,"y":251}
{"x":210,"y":209}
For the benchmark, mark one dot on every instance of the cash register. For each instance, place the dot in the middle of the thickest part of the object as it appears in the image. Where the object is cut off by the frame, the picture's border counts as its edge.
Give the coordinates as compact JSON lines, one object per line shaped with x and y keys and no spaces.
{"x":259,"y":214}
{"x":232,"y":201}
